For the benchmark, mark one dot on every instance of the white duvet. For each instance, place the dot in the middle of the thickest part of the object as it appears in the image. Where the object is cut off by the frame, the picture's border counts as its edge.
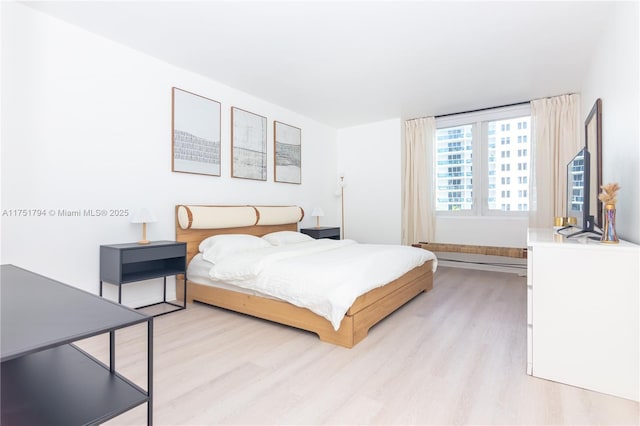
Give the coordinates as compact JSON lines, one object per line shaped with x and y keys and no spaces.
{"x":324,"y":276}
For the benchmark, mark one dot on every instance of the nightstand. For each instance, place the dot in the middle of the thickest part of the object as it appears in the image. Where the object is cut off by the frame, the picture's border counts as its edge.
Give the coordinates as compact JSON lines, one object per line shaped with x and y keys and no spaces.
{"x":130,"y":262}
{"x":322,"y":232}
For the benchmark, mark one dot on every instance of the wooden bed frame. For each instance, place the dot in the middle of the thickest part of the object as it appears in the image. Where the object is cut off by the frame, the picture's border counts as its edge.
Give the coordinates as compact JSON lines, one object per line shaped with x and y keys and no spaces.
{"x":367,"y":310}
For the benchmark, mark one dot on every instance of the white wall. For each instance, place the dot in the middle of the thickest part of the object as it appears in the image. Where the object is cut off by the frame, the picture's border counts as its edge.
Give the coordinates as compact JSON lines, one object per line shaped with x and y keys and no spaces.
{"x":369,"y":156}
{"x":482,"y":231}
{"x":86,"y":124}
{"x":613,"y":76}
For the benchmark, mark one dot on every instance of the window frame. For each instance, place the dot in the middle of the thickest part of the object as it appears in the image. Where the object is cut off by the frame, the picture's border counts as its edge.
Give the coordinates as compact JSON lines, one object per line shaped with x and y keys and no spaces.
{"x":480,"y":163}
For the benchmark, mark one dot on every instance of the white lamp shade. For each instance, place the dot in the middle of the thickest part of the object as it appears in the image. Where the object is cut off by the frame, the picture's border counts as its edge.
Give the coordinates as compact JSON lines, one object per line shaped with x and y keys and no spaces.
{"x":143,"y":215}
{"x":317,"y":211}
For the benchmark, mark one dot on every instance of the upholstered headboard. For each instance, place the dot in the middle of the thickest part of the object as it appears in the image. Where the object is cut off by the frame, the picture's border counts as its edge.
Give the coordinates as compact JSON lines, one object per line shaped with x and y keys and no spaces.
{"x":194,"y":223}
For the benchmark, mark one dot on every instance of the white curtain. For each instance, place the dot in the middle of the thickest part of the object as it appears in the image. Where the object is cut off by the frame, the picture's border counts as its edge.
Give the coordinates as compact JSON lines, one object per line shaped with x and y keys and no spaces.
{"x":418,"y":206}
{"x":555,"y":139}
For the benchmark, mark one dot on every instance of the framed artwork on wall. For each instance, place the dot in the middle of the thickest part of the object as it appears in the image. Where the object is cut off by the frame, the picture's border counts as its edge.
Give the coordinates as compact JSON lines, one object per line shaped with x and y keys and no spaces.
{"x":195,"y":133}
{"x":248,"y":145}
{"x":287,"y":153}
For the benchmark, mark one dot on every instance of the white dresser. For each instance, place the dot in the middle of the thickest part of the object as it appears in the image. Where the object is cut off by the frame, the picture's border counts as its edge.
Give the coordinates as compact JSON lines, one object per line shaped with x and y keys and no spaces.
{"x":582,"y":312}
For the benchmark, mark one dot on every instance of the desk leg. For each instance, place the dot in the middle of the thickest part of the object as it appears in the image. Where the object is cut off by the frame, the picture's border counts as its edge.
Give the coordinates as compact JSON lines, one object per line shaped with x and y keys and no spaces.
{"x":150,"y":372}
{"x":112,"y":351}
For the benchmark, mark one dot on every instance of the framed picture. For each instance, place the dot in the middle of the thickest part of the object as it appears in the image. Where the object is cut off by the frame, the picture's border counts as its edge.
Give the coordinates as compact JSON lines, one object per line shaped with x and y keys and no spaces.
{"x":287,"y":148}
{"x":195,"y":134}
{"x":593,"y":143}
{"x":248,"y":145}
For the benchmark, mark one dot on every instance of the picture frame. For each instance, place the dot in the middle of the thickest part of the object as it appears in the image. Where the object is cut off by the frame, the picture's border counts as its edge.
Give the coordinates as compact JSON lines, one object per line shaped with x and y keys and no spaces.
{"x":287,"y":148}
{"x":593,"y":143}
{"x":195,"y":133}
{"x":248,"y":145}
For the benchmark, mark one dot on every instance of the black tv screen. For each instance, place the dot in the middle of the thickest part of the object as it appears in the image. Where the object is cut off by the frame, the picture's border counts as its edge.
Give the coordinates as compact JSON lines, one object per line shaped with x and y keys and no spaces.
{"x":578,"y":190}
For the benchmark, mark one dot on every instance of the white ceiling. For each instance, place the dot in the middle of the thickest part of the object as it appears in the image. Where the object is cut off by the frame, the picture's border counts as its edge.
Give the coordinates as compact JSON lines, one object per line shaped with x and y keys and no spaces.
{"x":348,"y":63}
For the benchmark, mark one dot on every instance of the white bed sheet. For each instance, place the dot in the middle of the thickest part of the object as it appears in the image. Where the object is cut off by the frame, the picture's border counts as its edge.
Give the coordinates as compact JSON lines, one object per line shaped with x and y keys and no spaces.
{"x":324,"y":276}
{"x":198,"y":272}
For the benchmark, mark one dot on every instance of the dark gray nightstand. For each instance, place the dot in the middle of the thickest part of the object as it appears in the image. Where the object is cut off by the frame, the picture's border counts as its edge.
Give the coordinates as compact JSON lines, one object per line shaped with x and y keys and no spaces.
{"x":130,"y":262}
{"x":322,"y":232}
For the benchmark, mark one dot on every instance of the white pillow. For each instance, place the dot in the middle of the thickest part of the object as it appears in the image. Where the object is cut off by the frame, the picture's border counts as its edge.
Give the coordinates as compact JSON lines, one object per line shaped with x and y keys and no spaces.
{"x":215,"y":248}
{"x":286,"y":237}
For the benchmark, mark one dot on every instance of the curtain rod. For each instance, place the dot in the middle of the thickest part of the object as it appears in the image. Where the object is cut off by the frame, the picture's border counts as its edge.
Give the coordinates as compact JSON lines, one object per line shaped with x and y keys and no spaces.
{"x":501,"y":106}
{"x":482,"y":109}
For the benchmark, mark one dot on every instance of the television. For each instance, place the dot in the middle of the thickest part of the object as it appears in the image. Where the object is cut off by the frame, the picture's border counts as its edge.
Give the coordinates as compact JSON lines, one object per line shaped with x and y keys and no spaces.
{"x":578,"y":182}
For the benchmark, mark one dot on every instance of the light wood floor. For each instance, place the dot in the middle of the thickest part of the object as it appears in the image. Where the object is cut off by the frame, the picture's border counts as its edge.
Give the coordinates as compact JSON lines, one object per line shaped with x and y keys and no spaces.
{"x":455,"y":355}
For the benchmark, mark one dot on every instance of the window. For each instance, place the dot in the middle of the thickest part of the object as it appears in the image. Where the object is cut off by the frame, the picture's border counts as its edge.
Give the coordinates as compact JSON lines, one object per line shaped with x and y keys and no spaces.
{"x":455,"y":159}
{"x":454,"y":171}
{"x":454,"y":168}
{"x":475,"y":173}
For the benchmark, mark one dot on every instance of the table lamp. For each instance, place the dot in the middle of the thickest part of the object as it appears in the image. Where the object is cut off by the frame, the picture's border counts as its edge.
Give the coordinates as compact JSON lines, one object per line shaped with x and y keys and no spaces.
{"x":143,"y":216}
{"x":317,"y":213}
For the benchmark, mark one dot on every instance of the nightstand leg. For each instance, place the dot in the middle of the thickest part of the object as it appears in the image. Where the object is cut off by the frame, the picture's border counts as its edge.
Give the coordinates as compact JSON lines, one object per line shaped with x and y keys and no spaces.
{"x":150,"y":372}
{"x":120,"y":294}
{"x":100,"y":288}
{"x":164,"y":292}
{"x":184,"y":302}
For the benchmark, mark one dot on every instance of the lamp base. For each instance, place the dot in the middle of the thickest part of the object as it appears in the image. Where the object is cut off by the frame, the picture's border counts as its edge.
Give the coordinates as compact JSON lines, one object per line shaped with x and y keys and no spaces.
{"x":144,"y":234}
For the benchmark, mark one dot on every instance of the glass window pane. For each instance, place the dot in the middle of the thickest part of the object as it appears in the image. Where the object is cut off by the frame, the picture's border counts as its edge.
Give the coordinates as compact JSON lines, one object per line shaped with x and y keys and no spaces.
{"x":508,"y":164}
{"x":454,"y":169}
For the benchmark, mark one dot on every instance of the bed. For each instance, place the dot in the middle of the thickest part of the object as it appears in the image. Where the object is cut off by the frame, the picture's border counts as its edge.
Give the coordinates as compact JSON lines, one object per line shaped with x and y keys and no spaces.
{"x":197,"y":223}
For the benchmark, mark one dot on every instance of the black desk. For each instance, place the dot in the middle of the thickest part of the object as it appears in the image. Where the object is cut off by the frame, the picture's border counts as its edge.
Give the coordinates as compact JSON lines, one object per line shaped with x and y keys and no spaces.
{"x":44,"y":378}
